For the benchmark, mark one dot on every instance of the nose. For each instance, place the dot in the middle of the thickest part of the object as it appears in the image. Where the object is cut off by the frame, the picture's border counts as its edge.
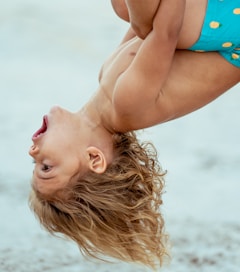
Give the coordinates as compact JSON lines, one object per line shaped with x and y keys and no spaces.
{"x":34,"y":149}
{"x":55,"y":109}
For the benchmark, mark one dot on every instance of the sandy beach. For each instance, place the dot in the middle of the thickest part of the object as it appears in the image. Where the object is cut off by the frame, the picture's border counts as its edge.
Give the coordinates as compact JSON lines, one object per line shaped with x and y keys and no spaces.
{"x":50,"y":54}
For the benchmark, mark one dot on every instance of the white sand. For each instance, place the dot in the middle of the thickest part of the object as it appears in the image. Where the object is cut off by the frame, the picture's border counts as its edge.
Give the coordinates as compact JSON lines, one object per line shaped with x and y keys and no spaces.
{"x":51,"y":54}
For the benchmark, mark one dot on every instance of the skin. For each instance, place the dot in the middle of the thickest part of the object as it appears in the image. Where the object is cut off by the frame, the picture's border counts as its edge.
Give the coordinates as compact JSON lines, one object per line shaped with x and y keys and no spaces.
{"x":140,"y":13}
{"x":142,"y":84}
{"x":58,"y":156}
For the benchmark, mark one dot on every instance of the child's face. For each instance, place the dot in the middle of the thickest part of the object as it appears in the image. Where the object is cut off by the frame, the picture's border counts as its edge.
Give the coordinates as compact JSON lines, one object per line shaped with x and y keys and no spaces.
{"x":56,"y":151}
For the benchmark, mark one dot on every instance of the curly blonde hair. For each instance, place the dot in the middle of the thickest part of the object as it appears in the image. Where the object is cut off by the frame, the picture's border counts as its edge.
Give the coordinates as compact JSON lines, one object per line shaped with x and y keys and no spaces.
{"x":116,"y":213}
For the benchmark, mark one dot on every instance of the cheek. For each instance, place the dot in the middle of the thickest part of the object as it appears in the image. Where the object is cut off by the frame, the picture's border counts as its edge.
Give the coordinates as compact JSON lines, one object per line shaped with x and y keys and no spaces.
{"x":71,"y":167}
{"x":37,"y":186}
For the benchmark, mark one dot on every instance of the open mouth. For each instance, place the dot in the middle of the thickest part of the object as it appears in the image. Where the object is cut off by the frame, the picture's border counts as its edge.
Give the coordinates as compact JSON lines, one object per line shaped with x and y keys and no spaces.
{"x":42,"y":129}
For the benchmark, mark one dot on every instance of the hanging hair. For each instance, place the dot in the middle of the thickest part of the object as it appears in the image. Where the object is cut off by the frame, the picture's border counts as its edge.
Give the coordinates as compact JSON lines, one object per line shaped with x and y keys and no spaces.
{"x":116,"y":213}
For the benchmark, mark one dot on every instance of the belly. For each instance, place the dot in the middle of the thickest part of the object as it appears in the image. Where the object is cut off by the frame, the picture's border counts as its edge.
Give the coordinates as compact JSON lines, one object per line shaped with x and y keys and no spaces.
{"x":119,"y":61}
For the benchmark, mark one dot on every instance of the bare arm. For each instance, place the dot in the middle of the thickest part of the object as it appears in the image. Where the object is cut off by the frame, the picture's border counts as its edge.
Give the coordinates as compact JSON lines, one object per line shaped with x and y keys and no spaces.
{"x":140,"y":13}
{"x":128,"y":36}
{"x":141,"y":83}
{"x":195,"y":79}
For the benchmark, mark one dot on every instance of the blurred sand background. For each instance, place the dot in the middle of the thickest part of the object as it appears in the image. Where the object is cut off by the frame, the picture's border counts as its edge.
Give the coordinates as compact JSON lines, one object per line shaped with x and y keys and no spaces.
{"x":50,"y":53}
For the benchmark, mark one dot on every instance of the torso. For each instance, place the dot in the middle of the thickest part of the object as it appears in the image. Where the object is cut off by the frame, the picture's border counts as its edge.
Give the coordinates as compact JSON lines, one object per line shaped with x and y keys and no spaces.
{"x":120,"y":60}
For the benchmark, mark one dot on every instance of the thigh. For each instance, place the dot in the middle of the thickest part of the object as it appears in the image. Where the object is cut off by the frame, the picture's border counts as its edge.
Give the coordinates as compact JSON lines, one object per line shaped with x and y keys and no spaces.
{"x":195,"y":79}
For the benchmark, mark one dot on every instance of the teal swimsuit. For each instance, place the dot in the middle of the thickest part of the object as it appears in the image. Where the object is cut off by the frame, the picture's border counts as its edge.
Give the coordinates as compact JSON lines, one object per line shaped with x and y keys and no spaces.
{"x":221,"y":30}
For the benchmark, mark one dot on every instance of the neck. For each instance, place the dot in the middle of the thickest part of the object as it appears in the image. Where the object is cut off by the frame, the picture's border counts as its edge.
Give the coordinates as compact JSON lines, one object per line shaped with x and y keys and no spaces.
{"x":99,"y":110}
{"x":96,"y":132}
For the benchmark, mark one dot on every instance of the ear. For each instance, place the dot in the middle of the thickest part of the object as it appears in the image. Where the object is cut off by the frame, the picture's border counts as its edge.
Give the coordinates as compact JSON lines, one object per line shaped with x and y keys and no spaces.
{"x":97,"y":160}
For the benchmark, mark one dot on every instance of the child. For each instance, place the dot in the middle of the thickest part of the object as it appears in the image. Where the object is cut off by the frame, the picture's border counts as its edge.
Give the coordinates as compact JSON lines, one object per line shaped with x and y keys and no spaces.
{"x":93,"y":181}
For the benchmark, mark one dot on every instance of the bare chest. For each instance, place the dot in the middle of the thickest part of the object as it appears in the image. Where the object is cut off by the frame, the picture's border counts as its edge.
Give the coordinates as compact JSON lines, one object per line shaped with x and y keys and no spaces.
{"x":118,"y":63}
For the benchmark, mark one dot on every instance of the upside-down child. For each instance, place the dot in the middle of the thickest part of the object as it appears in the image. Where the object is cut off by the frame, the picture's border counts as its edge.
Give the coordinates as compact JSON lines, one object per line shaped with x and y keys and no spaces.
{"x":93,"y":180}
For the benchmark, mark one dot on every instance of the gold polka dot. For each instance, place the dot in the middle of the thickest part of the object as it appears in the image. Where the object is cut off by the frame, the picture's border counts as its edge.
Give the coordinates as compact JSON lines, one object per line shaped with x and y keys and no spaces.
{"x":214,"y":24}
{"x":227,"y":44}
{"x":236,"y":11}
{"x":235,"y":56}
